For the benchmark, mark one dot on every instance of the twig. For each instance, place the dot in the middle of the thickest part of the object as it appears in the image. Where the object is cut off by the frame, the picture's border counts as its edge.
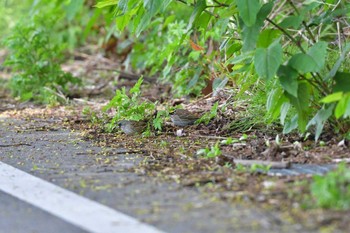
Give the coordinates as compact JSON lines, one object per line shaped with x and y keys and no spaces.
{"x":16,"y":144}
{"x":272,"y":164}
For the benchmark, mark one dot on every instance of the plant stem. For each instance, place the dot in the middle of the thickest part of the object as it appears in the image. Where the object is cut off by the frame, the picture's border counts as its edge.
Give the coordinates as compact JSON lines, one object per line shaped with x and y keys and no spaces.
{"x":303,"y":22}
{"x":287,"y":34}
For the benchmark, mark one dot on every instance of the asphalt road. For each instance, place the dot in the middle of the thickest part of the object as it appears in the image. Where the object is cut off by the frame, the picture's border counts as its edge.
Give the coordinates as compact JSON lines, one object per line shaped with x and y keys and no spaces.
{"x":17,"y":216}
{"x":64,"y":159}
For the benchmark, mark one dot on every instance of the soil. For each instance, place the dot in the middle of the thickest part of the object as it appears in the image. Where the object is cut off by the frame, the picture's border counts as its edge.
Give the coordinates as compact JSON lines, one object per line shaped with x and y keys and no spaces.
{"x":171,"y":155}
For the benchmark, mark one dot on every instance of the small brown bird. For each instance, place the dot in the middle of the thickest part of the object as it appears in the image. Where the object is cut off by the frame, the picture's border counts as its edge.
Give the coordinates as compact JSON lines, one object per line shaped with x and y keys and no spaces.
{"x":182,"y":117}
{"x":131,"y":127}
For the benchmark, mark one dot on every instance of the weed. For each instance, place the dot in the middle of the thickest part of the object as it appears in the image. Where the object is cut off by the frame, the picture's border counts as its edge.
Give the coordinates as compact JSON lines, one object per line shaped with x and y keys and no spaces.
{"x":129,"y":108}
{"x":332,"y":190}
{"x":211,"y":152}
{"x":36,"y":58}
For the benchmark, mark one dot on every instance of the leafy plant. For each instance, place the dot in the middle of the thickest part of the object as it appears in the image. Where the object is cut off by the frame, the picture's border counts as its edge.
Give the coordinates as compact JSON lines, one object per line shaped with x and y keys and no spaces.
{"x":132,"y":108}
{"x":333,"y":189}
{"x":211,"y":152}
{"x":36,"y":58}
{"x":252,"y":43}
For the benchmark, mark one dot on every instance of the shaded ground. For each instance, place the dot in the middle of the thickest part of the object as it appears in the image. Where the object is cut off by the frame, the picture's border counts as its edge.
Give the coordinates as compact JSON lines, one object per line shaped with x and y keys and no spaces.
{"x":161,"y":176}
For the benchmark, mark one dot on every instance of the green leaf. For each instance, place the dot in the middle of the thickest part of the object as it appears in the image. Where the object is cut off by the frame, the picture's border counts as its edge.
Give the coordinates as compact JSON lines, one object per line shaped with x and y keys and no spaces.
{"x":105,"y":3}
{"x":301,"y":104}
{"x":320,"y":119}
{"x":153,"y":6}
{"x":122,"y":21}
{"x":266,"y":37}
{"x":267,"y":61}
{"x":203,"y":21}
{"x":347,"y":107}
{"x":291,"y":125}
{"x":274,"y":102}
{"x":250,"y":33}
{"x":342,"y":82}
{"x":123,"y":5}
{"x":318,"y":53}
{"x":248,"y":10}
{"x":250,"y":37}
{"x":342,"y":106}
{"x":198,"y":9}
{"x":303,"y":63}
{"x":284,"y":111}
{"x":263,"y":13}
{"x":136,"y":88}
{"x":289,"y":79}
{"x":291,"y":22}
{"x":332,"y":97}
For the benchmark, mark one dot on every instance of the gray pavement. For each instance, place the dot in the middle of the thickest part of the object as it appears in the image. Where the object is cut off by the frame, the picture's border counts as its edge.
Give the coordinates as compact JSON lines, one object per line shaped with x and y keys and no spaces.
{"x":20,"y":217}
{"x":63,"y":158}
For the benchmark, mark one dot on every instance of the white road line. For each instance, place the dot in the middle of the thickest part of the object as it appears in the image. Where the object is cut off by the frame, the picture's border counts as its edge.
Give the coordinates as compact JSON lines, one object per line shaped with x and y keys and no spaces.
{"x":77,"y":210}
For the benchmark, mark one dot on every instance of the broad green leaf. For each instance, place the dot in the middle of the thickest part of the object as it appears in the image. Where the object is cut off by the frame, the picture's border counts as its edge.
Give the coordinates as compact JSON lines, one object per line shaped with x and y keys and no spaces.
{"x":342,"y":82}
{"x":267,"y":61}
{"x":250,"y":33}
{"x":248,"y":10}
{"x":122,"y":21}
{"x":338,"y":63}
{"x":318,"y":53}
{"x":198,"y":9}
{"x":291,"y":125}
{"x":267,"y":37}
{"x":291,"y":22}
{"x":289,"y":79}
{"x":347,"y":108}
{"x":284,"y":110}
{"x":332,"y":97}
{"x":250,"y":37}
{"x":301,"y":104}
{"x":203,"y":21}
{"x":105,"y":3}
{"x":151,"y":7}
{"x":274,"y":102}
{"x":320,"y":119}
{"x":342,"y":106}
{"x":303,"y":63}
{"x":263,"y":13}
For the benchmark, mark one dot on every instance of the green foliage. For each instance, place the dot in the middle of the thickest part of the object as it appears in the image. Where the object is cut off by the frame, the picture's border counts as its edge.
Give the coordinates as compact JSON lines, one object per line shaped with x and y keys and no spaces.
{"x":332,"y":190}
{"x":211,"y":152}
{"x":131,"y":108}
{"x":36,"y":58}
{"x":208,"y":116}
